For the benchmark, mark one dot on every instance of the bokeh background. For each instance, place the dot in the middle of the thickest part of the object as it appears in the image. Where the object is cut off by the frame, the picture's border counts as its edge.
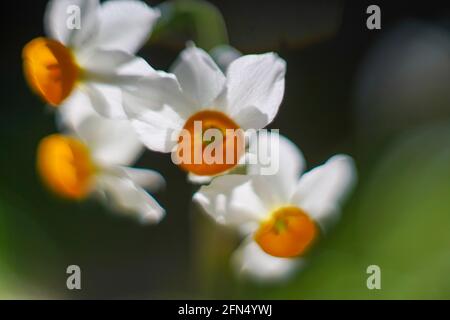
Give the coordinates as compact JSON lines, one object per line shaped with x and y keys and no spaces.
{"x":382,"y":96}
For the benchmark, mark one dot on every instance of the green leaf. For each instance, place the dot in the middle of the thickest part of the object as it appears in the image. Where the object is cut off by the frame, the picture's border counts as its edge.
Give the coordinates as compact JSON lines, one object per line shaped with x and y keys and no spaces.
{"x":197,"y":20}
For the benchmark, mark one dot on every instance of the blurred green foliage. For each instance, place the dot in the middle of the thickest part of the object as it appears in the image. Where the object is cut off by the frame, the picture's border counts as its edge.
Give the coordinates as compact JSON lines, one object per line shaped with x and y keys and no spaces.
{"x":196,"y":20}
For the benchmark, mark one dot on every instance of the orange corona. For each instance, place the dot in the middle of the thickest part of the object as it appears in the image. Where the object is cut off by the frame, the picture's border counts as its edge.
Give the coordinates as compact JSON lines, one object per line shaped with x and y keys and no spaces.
{"x":231,"y":146}
{"x":288,"y":233}
{"x":65,"y":166}
{"x":50,"y":69}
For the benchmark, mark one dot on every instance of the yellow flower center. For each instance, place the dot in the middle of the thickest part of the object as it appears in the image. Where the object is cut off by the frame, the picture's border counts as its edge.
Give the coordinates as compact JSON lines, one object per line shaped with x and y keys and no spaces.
{"x":211,"y":143}
{"x":288,"y":233}
{"x":65,"y":166}
{"x":50,"y":69}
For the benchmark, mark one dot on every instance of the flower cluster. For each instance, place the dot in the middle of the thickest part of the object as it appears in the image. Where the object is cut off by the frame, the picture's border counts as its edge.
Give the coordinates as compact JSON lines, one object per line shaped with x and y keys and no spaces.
{"x":110,"y":104}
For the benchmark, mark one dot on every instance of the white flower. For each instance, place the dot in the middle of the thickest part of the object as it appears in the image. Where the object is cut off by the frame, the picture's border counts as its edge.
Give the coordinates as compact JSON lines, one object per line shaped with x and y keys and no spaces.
{"x":163,"y":106}
{"x":94,"y":159}
{"x":88,"y":54}
{"x":280,"y":215}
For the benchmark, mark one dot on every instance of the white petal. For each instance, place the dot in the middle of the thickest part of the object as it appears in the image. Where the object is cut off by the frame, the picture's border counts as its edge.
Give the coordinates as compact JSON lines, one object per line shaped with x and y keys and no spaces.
{"x":105,"y":99}
{"x":256,"y":81}
{"x":106,"y":74}
{"x":157,"y":110}
{"x":136,"y":67}
{"x":278,"y":160}
{"x":103,"y":62}
{"x":112,"y":66}
{"x":149,"y":179}
{"x":74,"y":110}
{"x":123,"y":195}
{"x":321,"y":191}
{"x":125,"y":25}
{"x":232,"y":200}
{"x":251,"y":261}
{"x":59,"y":21}
{"x":199,"y":77}
{"x":159,"y":137}
{"x":110,"y":141}
{"x":155,"y":91}
{"x":250,"y":118}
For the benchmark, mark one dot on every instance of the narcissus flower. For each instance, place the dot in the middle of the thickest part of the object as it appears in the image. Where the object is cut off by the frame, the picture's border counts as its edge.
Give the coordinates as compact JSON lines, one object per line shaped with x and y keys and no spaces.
{"x":175,"y":112}
{"x":94,"y":160}
{"x":89,"y":52}
{"x":281,"y":215}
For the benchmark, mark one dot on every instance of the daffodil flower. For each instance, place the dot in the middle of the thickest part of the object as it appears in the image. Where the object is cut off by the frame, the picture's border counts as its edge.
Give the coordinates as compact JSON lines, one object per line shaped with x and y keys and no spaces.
{"x":88,"y":54}
{"x":164,"y":107}
{"x":281,"y":215}
{"x":95,"y":159}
